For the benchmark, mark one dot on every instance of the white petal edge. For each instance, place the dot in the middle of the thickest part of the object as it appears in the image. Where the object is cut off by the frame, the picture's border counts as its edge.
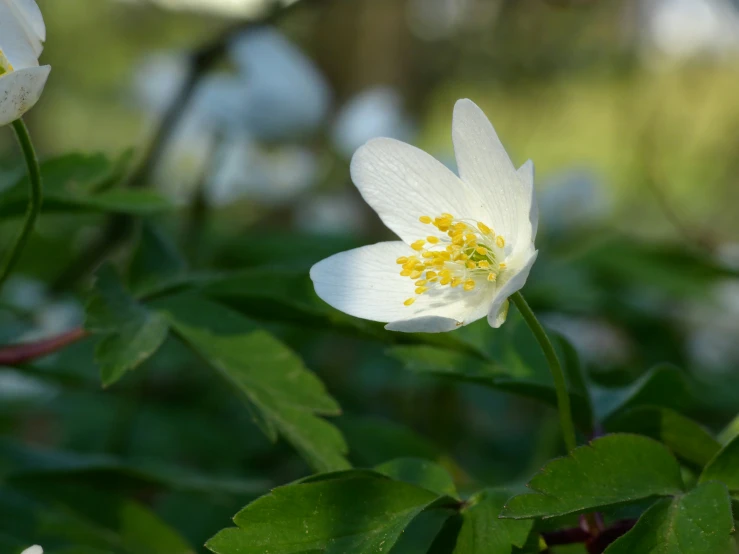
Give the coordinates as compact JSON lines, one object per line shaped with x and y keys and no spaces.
{"x":35,"y":549}
{"x":365,"y":282}
{"x":20,"y":90}
{"x":526,"y":172}
{"x":30,"y":14}
{"x":484,"y":165}
{"x":498,"y":309}
{"x":401,"y":183}
{"x":19,"y":39}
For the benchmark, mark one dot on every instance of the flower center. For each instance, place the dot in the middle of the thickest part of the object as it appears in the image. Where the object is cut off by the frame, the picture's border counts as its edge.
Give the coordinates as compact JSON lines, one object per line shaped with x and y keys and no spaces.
{"x":458,"y":253}
{"x":5,"y":65}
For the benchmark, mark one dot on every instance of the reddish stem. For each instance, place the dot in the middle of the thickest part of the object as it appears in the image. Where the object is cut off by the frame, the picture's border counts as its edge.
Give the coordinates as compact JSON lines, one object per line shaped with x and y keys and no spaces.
{"x":21,"y":353}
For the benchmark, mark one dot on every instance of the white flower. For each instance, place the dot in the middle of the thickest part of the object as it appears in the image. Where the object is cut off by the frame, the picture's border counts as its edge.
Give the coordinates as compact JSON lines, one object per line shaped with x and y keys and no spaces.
{"x":467,"y":242}
{"x":35,"y":549}
{"x":22,"y":33}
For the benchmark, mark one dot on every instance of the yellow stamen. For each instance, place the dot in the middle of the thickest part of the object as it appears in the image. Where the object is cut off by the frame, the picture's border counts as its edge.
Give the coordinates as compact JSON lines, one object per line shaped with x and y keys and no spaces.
{"x":432,"y":239}
{"x":484,"y":228}
{"x":469,"y":284}
{"x":424,"y":219}
{"x":471,"y":264}
{"x":430,"y":274}
{"x":418,"y":245}
{"x":491,"y":277}
{"x":415,"y":274}
{"x":420,"y":282}
{"x":481,"y":250}
{"x":409,"y":301}
{"x":421,"y":290}
{"x":483,"y":265}
{"x":402,"y":260}
{"x":500,"y":241}
{"x":456,"y":281}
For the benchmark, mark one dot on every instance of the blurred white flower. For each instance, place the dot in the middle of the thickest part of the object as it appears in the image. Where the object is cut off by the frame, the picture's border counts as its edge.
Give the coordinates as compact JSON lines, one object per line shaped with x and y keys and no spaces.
{"x":375,"y":112}
{"x":35,"y":549}
{"x":467,"y":242}
{"x":22,"y":36}
{"x":713,"y":327}
{"x":276,"y":94}
{"x":683,"y":28}
{"x":571,"y":199}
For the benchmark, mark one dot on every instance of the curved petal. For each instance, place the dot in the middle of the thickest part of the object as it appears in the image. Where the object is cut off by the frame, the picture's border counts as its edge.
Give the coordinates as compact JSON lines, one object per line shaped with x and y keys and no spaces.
{"x":20,"y":90}
{"x":402,"y":183}
{"x":526,"y":172}
{"x":499,"y":306}
{"x":366,"y":283}
{"x":484,"y":164}
{"x":21,"y":32}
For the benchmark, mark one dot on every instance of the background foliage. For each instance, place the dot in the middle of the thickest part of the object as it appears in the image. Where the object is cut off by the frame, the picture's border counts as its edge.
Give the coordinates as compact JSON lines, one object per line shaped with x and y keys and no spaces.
{"x":208,"y":171}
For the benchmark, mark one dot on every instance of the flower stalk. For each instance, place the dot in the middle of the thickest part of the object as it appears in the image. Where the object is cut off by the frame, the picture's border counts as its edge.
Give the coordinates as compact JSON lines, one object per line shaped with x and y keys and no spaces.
{"x":560,"y":385}
{"x":34,"y":201}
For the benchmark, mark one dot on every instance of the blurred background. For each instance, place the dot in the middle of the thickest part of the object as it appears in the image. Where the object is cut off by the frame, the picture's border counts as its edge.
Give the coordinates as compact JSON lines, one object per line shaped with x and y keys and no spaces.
{"x":247,"y":113}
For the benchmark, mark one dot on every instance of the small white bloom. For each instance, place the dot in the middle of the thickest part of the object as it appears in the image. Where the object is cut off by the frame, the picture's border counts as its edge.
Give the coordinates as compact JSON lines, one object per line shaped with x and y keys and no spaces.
{"x":35,"y":549}
{"x":467,"y":242}
{"x":22,"y":34}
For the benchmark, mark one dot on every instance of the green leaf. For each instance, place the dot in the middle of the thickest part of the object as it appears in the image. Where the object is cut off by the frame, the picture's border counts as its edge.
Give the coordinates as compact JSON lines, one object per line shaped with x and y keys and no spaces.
{"x":82,"y":518}
{"x":131,"y":332}
{"x":724,"y":466}
{"x":611,"y":470}
{"x":156,"y":263}
{"x":687,"y":439}
{"x":357,"y":512}
{"x":82,"y":182}
{"x":514,"y":375}
{"x":286,"y":397}
{"x":422,"y":473}
{"x":484,"y":533}
{"x":698,"y":522}
{"x":665,"y":386}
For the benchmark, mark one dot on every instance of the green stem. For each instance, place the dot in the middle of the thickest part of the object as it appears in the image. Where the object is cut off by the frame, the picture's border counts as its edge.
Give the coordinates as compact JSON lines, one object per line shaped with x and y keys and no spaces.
{"x":560,"y":385}
{"x":34,"y":201}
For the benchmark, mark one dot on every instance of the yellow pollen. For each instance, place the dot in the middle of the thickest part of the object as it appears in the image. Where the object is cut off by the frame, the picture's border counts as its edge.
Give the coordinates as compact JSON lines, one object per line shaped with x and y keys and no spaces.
{"x":481,"y":250}
{"x":421,"y":290}
{"x":433,"y":240}
{"x":484,"y":228}
{"x":424,"y":219}
{"x":500,"y":241}
{"x":418,"y":245}
{"x":401,"y":260}
{"x":469,"y":284}
{"x":409,"y":301}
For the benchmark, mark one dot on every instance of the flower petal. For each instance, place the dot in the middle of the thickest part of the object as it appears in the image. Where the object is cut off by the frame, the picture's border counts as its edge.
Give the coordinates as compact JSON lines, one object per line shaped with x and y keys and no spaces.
{"x":366,"y":283}
{"x":499,"y":308}
{"x":20,"y":90}
{"x":22,"y":32}
{"x":402,"y":183}
{"x":526,"y":172}
{"x":484,"y":164}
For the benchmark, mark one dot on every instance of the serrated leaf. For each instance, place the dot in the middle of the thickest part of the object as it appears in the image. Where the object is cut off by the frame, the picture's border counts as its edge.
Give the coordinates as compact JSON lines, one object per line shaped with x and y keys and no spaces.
{"x":687,"y":439}
{"x":131,"y":333}
{"x":698,"y":522}
{"x":484,"y":533}
{"x":286,"y":397}
{"x":614,"y":469}
{"x":421,"y":473}
{"x":724,"y":466}
{"x":362,"y":514}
